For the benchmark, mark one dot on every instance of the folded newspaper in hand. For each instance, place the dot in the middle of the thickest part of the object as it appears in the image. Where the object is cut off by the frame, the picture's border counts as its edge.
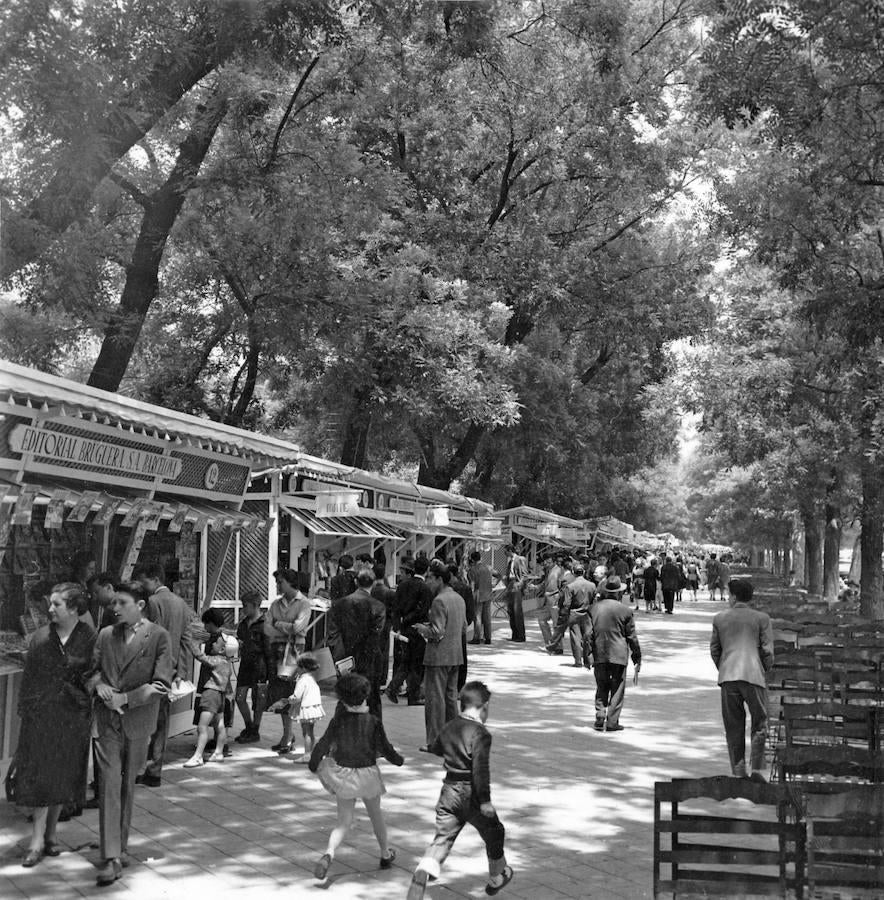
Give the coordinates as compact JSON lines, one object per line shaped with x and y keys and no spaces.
{"x":181,"y":689}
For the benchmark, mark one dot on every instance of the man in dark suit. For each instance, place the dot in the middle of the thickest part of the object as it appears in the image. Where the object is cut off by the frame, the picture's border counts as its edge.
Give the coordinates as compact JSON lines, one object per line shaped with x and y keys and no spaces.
{"x":459,"y":586}
{"x":413,"y":599}
{"x":612,"y":637}
{"x":174,"y":614}
{"x":742,"y":650}
{"x":386,"y":596}
{"x":514,"y":579}
{"x":133,"y":672}
{"x":355,"y":627}
{"x":445,"y":634}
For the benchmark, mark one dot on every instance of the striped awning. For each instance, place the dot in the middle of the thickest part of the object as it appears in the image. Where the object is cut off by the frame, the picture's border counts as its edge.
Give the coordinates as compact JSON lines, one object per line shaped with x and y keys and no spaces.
{"x":343,"y":526}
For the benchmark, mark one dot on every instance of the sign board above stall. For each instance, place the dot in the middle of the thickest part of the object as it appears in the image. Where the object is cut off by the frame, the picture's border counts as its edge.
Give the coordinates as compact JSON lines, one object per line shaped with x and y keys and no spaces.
{"x":337,"y":503}
{"x":431,"y":517}
{"x":487,"y":526}
{"x":71,"y":447}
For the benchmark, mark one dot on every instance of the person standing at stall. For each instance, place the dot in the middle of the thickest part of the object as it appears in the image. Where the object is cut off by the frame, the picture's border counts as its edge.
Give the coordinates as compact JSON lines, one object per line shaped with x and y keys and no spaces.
{"x":133,"y":672}
{"x":52,"y":758}
{"x":413,"y":600}
{"x":514,"y":578}
{"x":172,"y":613}
{"x":286,"y":623}
{"x":479,"y":576}
{"x":255,"y":663}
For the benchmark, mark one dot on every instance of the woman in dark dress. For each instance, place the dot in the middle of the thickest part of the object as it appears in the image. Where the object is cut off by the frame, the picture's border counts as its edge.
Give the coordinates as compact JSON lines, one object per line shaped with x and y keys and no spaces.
{"x":56,"y":714}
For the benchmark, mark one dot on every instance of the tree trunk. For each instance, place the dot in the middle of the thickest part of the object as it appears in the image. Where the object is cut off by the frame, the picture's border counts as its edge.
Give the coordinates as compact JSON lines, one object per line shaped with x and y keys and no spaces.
{"x":142,"y":273}
{"x":832,"y":551}
{"x":83,"y":165}
{"x":813,"y":553}
{"x":354,"y":448}
{"x":236,"y":416}
{"x":437,"y":473}
{"x":871,"y":539}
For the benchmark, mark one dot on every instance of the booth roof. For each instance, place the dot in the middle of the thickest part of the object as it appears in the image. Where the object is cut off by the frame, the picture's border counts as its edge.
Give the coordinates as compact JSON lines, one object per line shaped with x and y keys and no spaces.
{"x":36,"y":388}
{"x":360,"y":478}
{"x":544,"y":515}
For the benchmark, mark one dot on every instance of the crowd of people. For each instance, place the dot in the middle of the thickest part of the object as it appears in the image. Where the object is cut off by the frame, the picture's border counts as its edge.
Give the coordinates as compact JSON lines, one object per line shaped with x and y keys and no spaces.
{"x":118,"y":683}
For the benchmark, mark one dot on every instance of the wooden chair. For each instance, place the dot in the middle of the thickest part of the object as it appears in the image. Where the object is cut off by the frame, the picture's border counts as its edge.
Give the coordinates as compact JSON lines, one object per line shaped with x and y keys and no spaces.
{"x":845,"y":843}
{"x":751,"y":846}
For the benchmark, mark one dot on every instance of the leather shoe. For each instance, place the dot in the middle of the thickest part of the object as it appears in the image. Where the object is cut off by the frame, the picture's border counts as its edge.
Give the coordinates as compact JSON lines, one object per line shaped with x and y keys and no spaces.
{"x":109,"y":872}
{"x":474,"y":642}
{"x":148,"y":780}
{"x":615,"y":728}
{"x":92,"y":803}
{"x":392,"y":696}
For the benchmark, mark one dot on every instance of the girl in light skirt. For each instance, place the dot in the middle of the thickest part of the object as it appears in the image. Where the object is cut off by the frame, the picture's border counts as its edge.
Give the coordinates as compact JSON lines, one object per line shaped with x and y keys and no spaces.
{"x":308,"y":700}
{"x":345,"y":758}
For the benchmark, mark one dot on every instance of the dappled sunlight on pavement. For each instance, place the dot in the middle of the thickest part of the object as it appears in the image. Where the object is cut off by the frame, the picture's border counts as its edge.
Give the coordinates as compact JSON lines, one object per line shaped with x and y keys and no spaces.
{"x":577,"y":804}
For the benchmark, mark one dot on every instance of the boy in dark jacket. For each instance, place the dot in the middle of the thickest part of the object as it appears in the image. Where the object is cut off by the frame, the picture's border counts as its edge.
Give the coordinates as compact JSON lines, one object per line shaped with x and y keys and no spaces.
{"x":465,"y":746}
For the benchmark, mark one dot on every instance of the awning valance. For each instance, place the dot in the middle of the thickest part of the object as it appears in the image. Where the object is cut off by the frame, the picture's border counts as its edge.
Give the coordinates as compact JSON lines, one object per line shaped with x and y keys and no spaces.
{"x":543,"y":539}
{"x":113,"y":504}
{"x":344,"y":526}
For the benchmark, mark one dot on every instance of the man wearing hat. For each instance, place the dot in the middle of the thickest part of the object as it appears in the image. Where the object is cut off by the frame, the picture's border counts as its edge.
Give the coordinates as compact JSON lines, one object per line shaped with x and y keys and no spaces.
{"x":612,"y":638}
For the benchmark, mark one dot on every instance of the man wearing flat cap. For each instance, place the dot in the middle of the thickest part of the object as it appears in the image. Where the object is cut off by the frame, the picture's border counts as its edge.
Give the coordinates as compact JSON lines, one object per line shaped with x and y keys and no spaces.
{"x":612,"y":639}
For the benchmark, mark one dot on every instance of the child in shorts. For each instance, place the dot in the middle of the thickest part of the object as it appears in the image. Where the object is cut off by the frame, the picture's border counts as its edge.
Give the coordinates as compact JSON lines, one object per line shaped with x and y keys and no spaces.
{"x":215,"y":691}
{"x":465,"y":746}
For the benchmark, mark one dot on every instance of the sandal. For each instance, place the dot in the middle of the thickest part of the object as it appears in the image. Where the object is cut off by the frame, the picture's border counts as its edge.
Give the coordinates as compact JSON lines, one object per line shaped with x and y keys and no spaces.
{"x":283,"y":747}
{"x":216,"y":757}
{"x":194,"y":762}
{"x":387,"y":861}
{"x":32,"y":857}
{"x":50,"y":848}
{"x":320,"y":870}
{"x":492,"y":889}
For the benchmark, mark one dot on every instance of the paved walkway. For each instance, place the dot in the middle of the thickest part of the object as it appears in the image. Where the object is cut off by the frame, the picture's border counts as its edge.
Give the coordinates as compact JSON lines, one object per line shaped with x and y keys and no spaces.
{"x":577,"y":805}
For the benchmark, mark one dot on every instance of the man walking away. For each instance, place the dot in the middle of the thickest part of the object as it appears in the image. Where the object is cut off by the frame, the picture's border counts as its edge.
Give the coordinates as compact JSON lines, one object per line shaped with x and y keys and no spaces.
{"x":742,"y":650}
{"x":514,"y":578}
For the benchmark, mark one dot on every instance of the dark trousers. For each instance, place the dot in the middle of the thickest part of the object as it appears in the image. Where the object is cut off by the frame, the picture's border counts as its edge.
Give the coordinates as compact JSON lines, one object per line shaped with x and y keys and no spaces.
{"x":462,"y":668}
{"x":610,"y":689}
{"x":735,"y":697}
{"x":514,"y":612}
{"x":156,"y":749}
{"x":668,"y":599}
{"x":440,"y":698}
{"x":120,"y":758}
{"x":482,"y":622}
{"x":410,"y":670}
{"x":457,"y":807}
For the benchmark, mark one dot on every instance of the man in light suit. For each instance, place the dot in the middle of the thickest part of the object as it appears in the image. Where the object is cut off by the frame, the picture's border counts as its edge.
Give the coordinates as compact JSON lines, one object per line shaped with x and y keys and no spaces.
{"x":742,"y":650}
{"x":173,"y":613}
{"x":445,"y":635}
{"x":133,"y":672}
{"x":612,"y":637}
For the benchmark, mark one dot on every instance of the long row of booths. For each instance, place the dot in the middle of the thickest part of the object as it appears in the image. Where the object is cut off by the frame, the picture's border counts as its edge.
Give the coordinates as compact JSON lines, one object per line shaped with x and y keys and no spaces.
{"x":91,"y":478}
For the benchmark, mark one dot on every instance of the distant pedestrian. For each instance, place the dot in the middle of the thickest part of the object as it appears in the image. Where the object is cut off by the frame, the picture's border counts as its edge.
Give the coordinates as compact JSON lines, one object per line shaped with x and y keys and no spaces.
{"x":612,"y":641}
{"x":465,"y":747}
{"x":345,"y":758}
{"x":670,"y":579}
{"x":713,"y":571}
{"x":514,"y":579}
{"x":650,"y":580}
{"x":693,"y":574}
{"x":479,"y":577}
{"x":742,"y":650}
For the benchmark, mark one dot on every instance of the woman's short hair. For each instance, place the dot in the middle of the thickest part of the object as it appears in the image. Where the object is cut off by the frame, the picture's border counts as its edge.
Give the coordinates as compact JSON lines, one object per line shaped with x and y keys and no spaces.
{"x":352,"y":689}
{"x":73,"y":595}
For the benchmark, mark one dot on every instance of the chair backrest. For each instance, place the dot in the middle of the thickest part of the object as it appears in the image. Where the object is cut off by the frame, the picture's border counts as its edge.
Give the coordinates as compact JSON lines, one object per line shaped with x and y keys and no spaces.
{"x":845,"y":841}
{"x":726,"y":837}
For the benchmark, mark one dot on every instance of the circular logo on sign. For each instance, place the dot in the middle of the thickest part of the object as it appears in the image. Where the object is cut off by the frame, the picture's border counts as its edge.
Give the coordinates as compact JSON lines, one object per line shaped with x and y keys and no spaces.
{"x":212,"y":476}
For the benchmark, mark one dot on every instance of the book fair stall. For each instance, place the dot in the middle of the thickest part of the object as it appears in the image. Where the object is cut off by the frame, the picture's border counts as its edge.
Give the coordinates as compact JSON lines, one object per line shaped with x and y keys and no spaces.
{"x":92,"y":481}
